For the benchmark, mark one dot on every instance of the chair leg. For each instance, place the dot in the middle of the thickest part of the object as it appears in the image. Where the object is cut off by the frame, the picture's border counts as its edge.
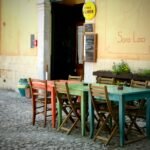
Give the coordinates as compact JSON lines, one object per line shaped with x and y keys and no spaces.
{"x":66,"y":112}
{"x":73,"y":126}
{"x":33,"y":119}
{"x":130,"y":125}
{"x":102,"y":117}
{"x":133,"y":122}
{"x":45,"y":114}
{"x":100,"y":129}
{"x":106,"y":139}
{"x":138,"y":128}
{"x":65,"y":120}
{"x":112,"y":133}
{"x":33,"y":114}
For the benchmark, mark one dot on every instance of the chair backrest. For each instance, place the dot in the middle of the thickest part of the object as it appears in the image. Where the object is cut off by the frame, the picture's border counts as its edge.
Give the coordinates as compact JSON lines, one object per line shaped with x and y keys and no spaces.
{"x":62,"y":90}
{"x":38,"y":87}
{"x":139,"y":84}
{"x":105,"y":80}
{"x":99,"y":94}
{"x":76,"y":78}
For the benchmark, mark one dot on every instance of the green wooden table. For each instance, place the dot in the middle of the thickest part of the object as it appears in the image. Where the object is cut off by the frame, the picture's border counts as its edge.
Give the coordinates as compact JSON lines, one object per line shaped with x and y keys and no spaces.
{"x":122,"y":96}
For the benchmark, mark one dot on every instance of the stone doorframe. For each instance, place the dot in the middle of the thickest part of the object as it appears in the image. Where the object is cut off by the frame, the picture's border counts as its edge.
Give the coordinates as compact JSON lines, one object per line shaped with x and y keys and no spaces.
{"x":44,"y":38}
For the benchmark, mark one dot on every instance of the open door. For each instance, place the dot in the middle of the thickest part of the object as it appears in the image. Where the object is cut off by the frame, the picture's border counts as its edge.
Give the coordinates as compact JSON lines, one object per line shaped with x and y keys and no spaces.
{"x":64,"y":40}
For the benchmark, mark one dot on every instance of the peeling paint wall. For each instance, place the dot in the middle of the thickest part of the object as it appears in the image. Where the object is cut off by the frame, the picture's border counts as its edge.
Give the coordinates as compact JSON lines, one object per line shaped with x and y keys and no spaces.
{"x":18,"y":21}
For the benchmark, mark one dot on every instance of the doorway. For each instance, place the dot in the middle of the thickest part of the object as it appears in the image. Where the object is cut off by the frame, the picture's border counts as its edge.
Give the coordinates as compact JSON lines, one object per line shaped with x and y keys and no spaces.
{"x":64,"y":57}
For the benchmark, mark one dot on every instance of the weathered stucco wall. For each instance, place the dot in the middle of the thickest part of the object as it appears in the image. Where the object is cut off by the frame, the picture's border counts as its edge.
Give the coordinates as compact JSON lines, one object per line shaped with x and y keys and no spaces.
{"x":12,"y":68}
{"x":122,"y":27}
{"x":18,"y":20}
{"x":123,"y":34}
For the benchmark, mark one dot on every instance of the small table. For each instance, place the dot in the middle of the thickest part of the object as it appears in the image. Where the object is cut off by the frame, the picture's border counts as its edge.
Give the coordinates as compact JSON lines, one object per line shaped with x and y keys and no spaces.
{"x":122,"y":96}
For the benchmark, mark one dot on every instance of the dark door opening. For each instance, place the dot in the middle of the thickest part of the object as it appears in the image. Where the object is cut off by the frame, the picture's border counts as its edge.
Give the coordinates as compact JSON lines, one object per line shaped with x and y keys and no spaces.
{"x":64,"y":58}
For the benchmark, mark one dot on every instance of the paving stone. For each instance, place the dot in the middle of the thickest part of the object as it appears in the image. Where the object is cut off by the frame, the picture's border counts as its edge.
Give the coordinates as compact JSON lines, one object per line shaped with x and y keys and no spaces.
{"x":17,"y":132}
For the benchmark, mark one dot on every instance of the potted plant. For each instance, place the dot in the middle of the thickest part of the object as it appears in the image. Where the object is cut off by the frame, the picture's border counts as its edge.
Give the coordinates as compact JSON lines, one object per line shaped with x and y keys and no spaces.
{"x":142,"y":75}
{"x":120,"y":85}
{"x":122,"y":70}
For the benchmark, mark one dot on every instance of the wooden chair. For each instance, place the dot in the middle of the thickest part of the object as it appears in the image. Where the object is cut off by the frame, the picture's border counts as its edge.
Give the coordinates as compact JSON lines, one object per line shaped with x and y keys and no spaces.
{"x":105,"y":80}
{"x":139,"y":84}
{"x":70,"y":109}
{"x":40,"y":99}
{"x":75,"y":78}
{"x":78,"y":79}
{"x":99,"y":95}
{"x":136,"y":110}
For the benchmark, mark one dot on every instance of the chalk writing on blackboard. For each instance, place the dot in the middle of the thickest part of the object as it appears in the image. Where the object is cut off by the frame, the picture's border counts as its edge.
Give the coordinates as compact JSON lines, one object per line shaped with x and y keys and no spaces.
{"x":90,"y":47}
{"x":89,"y":27}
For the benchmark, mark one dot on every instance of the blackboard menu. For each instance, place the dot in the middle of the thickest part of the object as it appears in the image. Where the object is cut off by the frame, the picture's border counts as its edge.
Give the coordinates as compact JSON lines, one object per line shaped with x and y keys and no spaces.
{"x":90,"y":47}
{"x":89,"y":27}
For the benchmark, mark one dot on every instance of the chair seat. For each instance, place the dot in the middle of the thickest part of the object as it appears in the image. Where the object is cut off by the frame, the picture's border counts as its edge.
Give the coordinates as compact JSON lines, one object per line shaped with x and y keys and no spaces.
{"x":131,"y":107}
{"x":135,"y":111}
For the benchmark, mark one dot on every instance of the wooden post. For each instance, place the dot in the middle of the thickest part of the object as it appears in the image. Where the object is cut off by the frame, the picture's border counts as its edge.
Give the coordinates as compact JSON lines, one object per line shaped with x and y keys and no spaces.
{"x":46,"y":72}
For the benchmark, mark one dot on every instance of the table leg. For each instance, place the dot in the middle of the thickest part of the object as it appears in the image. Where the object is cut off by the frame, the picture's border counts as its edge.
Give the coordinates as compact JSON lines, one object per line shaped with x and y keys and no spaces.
{"x":91,"y":117}
{"x":53,"y":102}
{"x":59,"y":110}
{"x":83,"y":112}
{"x":121,"y":120}
{"x":148,"y":118}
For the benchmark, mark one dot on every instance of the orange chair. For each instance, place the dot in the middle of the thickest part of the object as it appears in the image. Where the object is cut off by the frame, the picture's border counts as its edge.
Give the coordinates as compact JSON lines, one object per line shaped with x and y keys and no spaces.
{"x":40,"y":99}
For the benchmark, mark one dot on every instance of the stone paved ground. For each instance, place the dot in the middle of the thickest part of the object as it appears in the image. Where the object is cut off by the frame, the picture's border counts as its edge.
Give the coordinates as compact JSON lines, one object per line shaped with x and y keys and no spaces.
{"x":17,"y":133}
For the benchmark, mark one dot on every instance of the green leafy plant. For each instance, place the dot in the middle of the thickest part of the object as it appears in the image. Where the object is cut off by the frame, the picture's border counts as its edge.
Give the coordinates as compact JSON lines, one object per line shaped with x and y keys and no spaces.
{"x":145,"y":72}
{"x":119,"y":83}
{"x":121,"y":67}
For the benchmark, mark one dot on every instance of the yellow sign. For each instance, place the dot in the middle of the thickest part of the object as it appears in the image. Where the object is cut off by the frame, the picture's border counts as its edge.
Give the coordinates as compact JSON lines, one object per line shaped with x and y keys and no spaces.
{"x":89,"y":10}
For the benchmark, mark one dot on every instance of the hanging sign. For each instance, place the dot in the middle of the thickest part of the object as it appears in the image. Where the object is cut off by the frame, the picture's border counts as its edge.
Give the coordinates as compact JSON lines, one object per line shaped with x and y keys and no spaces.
{"x":89,"y":10}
